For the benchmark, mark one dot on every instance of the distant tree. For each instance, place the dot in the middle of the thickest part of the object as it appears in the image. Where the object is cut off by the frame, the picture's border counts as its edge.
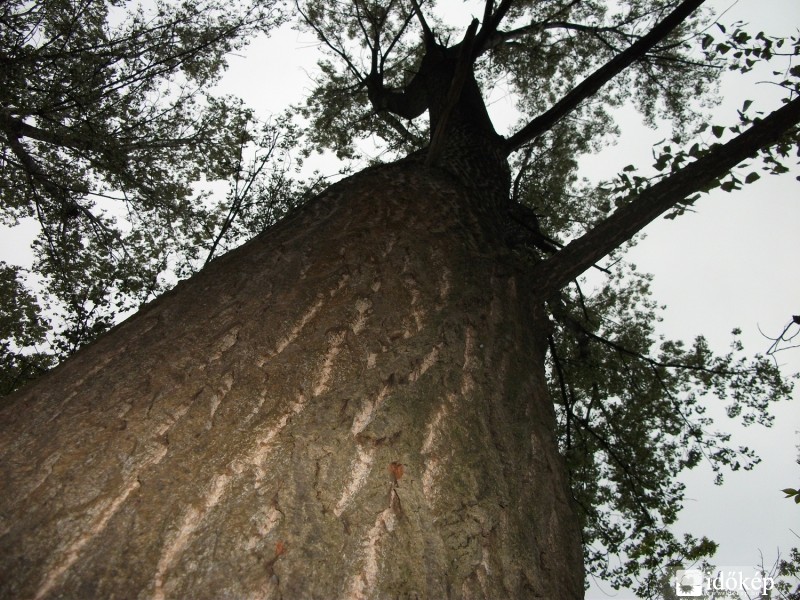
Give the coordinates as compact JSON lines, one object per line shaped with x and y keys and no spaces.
{"x":360,"y":401}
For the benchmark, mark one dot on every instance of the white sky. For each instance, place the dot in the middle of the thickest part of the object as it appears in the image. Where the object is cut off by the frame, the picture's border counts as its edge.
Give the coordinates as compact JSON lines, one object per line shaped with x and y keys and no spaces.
{"x":732,"y":263}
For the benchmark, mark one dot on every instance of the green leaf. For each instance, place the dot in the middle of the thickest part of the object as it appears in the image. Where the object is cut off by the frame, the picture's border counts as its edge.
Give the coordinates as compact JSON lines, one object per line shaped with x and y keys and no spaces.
{"x":717,"y":130}
{"x":752,"y":177}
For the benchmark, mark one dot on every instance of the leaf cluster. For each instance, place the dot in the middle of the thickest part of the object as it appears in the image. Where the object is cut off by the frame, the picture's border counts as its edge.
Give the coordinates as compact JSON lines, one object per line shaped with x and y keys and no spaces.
{"x":635,"y":411}
{"x":108,"y":132}
{"x":21,"y":330}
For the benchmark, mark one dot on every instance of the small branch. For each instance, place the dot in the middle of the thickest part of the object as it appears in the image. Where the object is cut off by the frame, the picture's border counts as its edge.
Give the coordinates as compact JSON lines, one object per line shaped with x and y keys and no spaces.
{"x":395,"y":40}
{"x":783,"y":337}
{"x":324,"y":39}
{"x":401,"y":129}
{"x":501,"y":37}
{"x":430,"y":40}
{"x":568,"y":401}
{"x":629,"y":474}
{"x":373,"y":48}
{"x":652,"y":361}
{"x":491,"y":21}
{"x":526,"y":162}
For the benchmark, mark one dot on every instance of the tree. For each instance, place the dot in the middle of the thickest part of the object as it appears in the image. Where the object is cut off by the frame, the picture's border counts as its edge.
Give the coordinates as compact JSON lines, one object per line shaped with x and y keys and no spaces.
{"x":355,"y":403}
{"x":108,"y":122}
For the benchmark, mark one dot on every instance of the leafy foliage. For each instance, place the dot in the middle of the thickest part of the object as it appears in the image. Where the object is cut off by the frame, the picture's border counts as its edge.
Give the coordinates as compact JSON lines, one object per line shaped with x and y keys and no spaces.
{"x":338,"y":109}
{"x":634,"y":411}
{"x":108,"y":127}
{"x":22,"y":328}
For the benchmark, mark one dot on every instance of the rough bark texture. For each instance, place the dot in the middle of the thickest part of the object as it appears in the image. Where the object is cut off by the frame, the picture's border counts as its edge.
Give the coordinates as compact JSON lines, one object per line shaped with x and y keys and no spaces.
{"x":352,"y":405}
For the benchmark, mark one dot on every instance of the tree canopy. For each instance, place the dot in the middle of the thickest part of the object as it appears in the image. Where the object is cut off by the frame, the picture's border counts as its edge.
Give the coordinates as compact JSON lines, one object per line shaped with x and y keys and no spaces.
{"x":104,"y":104}
{"x":109,"y":121}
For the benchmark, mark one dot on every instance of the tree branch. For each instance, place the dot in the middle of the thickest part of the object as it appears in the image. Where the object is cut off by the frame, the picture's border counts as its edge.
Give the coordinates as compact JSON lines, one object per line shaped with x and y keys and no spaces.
{"x":491,"y":21}
{"x":67,"y":139}
{"x":401,"y":129}
{"x":428,"y":36}
{"x":396,"y":39}
{"x":462,"y":70}
{"x":628,"y":220}
{"x":32,"y":168}
{"x":500,"y":37}
{"x":589,"y":86}
{"x":324,"y":39}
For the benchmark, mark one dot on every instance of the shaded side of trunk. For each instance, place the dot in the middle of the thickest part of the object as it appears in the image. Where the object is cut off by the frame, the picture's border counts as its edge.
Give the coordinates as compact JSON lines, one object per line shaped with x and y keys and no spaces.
{"x":352,"y":405}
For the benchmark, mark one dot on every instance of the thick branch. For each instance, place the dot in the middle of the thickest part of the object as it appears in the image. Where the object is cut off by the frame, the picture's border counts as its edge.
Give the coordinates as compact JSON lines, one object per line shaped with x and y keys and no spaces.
{"x":33,"y":169}
{"x":624,"y":223}
{"x":501,"y":37}
{"x":589,"y":86}
{"x":19,"y":128}
{"x":14,"y":126}
{"x":408,"y":103}
{"x":463,"y":67}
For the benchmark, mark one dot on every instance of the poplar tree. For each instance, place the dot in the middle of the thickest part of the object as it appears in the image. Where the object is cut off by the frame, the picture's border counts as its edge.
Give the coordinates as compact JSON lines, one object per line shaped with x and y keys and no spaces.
{"x":402,"y":390}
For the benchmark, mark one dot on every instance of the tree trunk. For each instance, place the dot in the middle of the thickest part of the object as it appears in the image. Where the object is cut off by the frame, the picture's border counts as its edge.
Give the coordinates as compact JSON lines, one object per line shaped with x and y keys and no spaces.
{"x":352,"y":405}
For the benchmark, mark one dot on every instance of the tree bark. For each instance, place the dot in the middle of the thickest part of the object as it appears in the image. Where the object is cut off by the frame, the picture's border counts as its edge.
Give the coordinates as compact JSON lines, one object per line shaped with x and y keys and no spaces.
{"x":352,"y":405}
